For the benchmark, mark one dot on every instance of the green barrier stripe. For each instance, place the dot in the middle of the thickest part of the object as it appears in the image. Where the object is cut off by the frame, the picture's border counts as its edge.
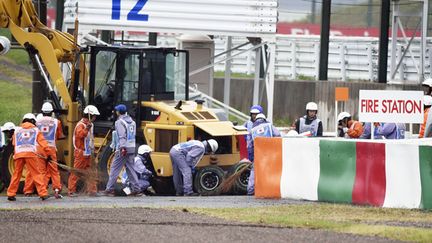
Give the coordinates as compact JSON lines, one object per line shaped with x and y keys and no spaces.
{"x":426,"y":176}
{"x":337,"y":171}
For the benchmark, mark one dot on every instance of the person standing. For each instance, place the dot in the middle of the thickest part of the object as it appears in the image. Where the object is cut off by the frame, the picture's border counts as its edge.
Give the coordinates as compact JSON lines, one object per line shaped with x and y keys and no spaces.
{"x":261,"y":128}
{"x":427,"y":103}
{"x":310,"y":123}
{"x":51,"y":128}
{"x":26,"y":140}
{"x":84,"y":147}
{"x":184,"y":157}
{"x":125,"y":134}
{"x":254,"y":111}
{"x":349,"y":128}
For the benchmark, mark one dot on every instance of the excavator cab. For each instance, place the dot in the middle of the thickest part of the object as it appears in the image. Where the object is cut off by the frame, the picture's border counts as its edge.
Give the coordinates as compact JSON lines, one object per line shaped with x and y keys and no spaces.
{"x":132,"y":75}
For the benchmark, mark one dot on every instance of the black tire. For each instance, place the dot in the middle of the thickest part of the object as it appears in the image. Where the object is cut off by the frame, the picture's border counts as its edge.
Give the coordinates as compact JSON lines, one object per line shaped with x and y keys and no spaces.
{"x":8,"y":166}
{"x":240,"y":185}
{"x":163,"y":185}
{"x":208,"y":179}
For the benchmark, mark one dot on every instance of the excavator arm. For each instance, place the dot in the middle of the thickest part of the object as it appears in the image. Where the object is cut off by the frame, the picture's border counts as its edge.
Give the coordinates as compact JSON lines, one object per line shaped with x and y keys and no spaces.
{"x":53,"y":46}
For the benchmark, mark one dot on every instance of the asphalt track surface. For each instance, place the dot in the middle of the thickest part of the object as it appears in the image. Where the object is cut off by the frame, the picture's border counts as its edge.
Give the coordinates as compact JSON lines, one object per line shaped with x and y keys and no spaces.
{"x":146,"y":219}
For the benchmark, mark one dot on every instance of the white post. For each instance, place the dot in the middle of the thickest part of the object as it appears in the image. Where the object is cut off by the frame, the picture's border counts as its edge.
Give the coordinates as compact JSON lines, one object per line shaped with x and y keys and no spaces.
{"x":423,"y":40}
{"x":270,"y":78}
{"x":395,"y":16}
{"x":227,"y":83}
{"x":411,"y":129}
{"x":257,"y":76}
{"x":372,"y":131}
{"x":336,"y":119}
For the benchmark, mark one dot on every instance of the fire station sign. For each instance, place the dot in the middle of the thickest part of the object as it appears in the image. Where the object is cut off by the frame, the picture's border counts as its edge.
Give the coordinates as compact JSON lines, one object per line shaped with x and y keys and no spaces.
{"x":391,"y":106}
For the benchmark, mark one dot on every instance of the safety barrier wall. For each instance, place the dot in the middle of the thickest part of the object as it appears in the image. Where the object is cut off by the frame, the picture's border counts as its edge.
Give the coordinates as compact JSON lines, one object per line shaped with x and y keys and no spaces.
{"x":386,"y":173}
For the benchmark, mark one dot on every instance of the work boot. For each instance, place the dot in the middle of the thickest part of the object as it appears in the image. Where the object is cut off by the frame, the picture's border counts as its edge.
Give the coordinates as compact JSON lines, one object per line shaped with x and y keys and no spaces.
{"x":151,"y":191}
{"x":11,"y":199}
{"x":191,"y":194}
{"x":109,"y":193}
{"x":135,"y":194}
{"x":57,"y":194}
{"x":45,"y":197}
{"x":95,"y":194}
{"x":72,"y":194}
{"x":179,"y":194}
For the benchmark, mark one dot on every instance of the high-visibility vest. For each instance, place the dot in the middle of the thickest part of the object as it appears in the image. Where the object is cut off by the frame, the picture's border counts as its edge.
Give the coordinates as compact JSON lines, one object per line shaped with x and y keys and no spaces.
{"x":48,"y":127}
{"x":312,"y":127}
{"x":88,"y":140}
{"x":262,"y":130}
{"x":26,"y":140}
{"x":130,"y":133}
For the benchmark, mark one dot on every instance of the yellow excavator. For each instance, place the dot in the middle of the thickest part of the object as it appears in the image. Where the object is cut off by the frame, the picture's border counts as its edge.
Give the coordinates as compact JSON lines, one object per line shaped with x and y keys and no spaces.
{"x":152,"y":82}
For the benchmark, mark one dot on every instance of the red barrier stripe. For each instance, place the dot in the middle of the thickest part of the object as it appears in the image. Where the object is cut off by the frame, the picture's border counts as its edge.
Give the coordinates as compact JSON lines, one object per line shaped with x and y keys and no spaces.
{"x":242,"y":147}
{"x":370,"y":180}
{"x":268,"y":167}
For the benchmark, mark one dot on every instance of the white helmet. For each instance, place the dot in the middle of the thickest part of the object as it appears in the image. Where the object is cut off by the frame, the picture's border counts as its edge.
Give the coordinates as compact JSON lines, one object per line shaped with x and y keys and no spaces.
{"x":144,"y":149}
{"x":47,"y":107}
{"x":292,"y":133}
{"x":8,"y":126}
{"x":29,"y":116}
{"x":427,"y":100}
{"x":311,"y":106}
{"x":92,"y":110}
{"x":260,"y":116}
{"x":427,"y":82}
{"x":343,"y":115}
{"x":213,"y":145}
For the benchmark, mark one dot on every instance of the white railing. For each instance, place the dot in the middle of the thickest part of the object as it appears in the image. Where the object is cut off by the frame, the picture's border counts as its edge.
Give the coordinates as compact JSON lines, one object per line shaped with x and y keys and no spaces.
{"x":350,"y":58}
{"x":214,"y":103}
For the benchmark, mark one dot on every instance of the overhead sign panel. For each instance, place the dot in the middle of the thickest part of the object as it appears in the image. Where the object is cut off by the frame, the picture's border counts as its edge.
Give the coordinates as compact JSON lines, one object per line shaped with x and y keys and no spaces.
{"x":391,"y":106}
{"x":207,"y":17}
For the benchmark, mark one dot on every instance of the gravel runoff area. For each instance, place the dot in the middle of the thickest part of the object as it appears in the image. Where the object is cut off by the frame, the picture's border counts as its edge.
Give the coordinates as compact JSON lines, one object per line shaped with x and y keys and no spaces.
{"x":147,"y":225}
{"x":148,"y":219}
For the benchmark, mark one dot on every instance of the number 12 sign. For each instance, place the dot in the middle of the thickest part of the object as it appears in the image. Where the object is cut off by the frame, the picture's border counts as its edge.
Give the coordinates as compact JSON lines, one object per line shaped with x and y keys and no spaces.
{"x":133,"y":14}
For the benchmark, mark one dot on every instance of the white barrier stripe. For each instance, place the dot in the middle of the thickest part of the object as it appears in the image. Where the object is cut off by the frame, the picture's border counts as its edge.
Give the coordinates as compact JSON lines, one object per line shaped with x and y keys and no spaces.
{"x":403,"y":186}
{"x":300,"y":168}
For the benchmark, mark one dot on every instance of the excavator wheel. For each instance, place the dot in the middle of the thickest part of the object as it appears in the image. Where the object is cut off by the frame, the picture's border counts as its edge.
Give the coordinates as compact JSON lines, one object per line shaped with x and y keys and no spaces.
{"x":208,"y":179}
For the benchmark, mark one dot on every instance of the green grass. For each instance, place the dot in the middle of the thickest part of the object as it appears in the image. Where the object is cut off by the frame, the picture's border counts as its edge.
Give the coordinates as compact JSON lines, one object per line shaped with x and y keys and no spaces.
{"x":15,"y":101}
{"x":369,"y":221}
{"x":18,"y":56}
{"x":221,"y":74}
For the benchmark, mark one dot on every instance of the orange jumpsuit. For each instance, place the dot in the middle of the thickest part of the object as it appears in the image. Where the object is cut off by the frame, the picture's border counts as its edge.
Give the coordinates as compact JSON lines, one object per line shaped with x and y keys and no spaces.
{"x":423,"y":126}
{"x":83,"y":144}
{"x":51,"y":128}
{"x":355,"y":129}
{"x":25,"y":141}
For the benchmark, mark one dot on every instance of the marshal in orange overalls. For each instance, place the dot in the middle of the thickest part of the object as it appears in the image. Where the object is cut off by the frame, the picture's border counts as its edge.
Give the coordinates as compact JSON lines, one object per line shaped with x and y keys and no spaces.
{"x":83,"y":144}
{"x":51,"y":129}
{"x":26,"y":141}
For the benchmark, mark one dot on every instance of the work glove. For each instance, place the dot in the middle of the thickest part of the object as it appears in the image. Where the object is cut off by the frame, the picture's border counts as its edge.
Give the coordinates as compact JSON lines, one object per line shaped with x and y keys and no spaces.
{"x":345,"y":129}
{"x":89,"y":126}
{"x":123,"y":152}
